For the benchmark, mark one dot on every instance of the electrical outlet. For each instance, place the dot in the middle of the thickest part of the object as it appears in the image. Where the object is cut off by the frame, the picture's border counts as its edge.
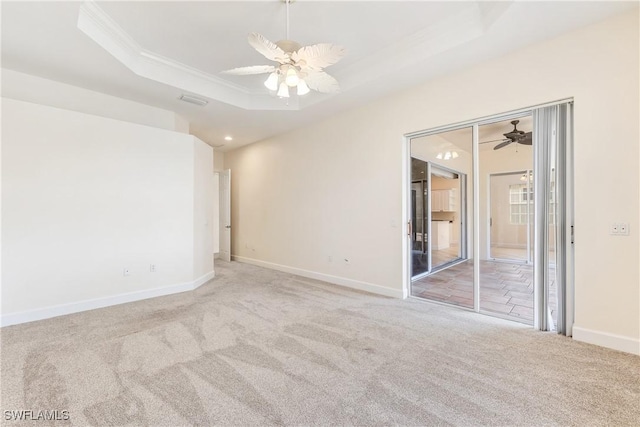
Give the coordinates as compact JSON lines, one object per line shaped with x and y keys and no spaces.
{"x":614,"y":229}
{"x":330,"y":258}
{"x":126,"y":272}
{"x":152,"y":268}
{"x":619,"y":229}
{"x":623,"y":229}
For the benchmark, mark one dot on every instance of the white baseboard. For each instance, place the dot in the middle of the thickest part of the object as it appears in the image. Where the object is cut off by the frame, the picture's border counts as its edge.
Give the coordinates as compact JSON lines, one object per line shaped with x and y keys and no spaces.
{"x":203,"y":279}
{"x":340,"y":281}
{"x":605,"y":339}
{"x":509,"y":245}
{"x":92,"y":304}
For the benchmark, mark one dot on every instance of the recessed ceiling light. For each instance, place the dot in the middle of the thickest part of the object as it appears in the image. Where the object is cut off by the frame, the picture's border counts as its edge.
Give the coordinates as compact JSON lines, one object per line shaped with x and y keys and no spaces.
{"x":228,"y":138}
{"x":193,"y":100}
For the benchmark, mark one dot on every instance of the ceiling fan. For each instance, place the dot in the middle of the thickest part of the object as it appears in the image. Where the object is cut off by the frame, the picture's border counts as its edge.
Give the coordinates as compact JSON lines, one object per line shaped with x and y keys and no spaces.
{"x":518,"y":136}
{"x":297,"y":66}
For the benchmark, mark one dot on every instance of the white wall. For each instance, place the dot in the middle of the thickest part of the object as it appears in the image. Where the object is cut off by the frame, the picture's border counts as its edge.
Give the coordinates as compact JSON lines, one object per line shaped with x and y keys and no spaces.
{"x":216,"y":211}
{"x":218,"y":161}
{"x":84,"y":197}
{"x":218,"y":166}
{"x":204,"y":194}
{"x":181,"y":124}
{"x":335,"y":188}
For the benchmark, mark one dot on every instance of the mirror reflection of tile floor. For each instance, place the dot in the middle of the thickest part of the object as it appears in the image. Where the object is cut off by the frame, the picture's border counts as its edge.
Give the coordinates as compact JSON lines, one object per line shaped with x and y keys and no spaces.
{"x":439,"y":257}
{"x":506,"y":289}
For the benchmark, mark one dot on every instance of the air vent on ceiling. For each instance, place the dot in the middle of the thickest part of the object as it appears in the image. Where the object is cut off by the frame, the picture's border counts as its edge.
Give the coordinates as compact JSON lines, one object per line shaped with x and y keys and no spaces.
{"x":193,"y":100}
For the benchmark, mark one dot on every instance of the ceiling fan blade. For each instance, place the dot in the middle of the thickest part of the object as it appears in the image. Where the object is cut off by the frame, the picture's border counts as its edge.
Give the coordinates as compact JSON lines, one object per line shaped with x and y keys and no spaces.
{"x":267,"y":48}
{"x":503,"y":144}
{"x":322,"y":82}
{"x":493,"y":140}
{"x":254,"y":69}
{"x":526,"y":139}
{"x":318,"y":56}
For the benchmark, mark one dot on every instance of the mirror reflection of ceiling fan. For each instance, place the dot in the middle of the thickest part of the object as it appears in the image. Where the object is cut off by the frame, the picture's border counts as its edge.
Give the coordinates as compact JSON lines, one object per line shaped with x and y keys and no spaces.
{"x":517,"y":136}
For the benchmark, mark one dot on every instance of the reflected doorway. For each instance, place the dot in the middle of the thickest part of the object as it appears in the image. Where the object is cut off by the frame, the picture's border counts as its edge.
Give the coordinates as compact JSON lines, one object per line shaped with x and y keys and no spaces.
{"x":437,"y":218}
{"x":511,"y":216}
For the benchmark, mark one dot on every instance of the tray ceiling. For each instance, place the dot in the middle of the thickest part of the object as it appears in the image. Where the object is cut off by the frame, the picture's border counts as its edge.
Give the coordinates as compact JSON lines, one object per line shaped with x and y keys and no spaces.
{"x":151,"y":52}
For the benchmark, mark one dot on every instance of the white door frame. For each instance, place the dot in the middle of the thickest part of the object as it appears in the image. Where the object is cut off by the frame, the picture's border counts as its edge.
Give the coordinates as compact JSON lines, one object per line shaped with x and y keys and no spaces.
{"x":406,"y":199}
{"x":225,"y":215}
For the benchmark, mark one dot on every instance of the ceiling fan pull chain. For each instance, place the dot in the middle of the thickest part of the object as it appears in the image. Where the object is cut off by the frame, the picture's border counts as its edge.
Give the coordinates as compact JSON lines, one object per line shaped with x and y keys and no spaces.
{"x":287,"y":2}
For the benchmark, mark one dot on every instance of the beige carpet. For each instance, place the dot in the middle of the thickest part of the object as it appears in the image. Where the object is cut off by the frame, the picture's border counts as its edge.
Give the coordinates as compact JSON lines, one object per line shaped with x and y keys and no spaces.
{"x":258,"y":347}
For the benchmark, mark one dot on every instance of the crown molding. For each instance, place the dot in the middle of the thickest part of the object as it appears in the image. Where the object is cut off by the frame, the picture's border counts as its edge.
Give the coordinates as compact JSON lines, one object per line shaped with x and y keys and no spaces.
{"x":463,"y":27}
{"x":103,"y":30}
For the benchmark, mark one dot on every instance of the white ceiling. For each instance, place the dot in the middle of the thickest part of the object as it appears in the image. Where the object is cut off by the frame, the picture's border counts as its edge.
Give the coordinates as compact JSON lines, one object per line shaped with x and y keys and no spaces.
{"x":391,"y":45}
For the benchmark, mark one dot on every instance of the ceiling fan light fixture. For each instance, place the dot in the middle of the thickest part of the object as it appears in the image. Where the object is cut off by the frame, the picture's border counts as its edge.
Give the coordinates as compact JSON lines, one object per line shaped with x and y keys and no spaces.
{"x":291,"y":78}
{"x":294,"y":63}
{"x":303,"y":89}
{"x":283,"y":92}
{"x":272,"y":81}
{"x":447,"y":155}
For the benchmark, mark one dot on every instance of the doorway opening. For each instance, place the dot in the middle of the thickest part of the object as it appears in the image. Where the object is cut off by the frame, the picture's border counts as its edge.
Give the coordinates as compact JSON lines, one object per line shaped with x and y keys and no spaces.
{"x":225,"y":215}
{"x":440,"y":164}
{"x":498,"y":192}
{"x":511,"y":216}
{"x":438,"y":200}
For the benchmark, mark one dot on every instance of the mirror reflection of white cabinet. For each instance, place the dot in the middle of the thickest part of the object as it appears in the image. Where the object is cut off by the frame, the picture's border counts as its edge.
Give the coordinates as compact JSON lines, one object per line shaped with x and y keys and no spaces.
{"x":443,"y":200}
{"x":440,"y":235}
